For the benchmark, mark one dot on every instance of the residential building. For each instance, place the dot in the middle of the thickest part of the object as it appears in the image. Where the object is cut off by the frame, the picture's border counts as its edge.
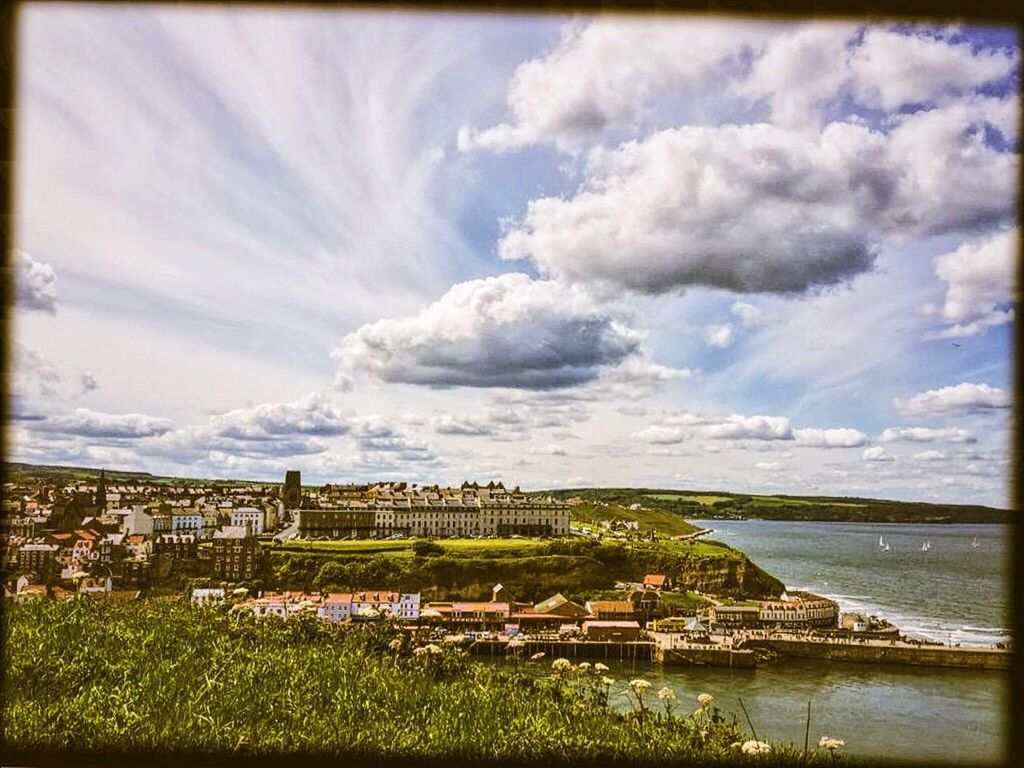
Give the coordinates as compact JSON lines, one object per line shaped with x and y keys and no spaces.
{"x":40,"y":559}
{"x":248,"y":516}
{"x":235,"y":553}
{"x":179,"y":546}
{"x":611,"y":631}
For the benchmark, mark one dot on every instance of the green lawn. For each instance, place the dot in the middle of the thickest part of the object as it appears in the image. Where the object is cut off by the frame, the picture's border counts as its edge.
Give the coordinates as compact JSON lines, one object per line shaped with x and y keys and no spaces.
{"x":700,"y":499}
{"x":779,"y":501}
{"x":404,"y":546}
{"x":663,"y":521}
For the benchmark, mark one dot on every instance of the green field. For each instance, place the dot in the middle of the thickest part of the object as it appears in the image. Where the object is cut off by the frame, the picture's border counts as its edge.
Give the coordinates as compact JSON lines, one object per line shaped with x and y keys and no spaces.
{"x":700,"y":499}
{"x":664,"y":522}
{"x":404,"y":546}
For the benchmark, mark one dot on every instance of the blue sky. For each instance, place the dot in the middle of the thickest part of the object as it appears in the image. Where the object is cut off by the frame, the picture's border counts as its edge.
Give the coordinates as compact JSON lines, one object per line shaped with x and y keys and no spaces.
{"x":557,"y":251}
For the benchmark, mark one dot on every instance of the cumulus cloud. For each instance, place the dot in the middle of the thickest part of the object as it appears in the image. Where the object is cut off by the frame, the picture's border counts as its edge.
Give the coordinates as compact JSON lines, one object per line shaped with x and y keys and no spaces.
{"x":927,"y":435}
{"x":685,"y":426}
{"x":312,"y":415}
{"x":757,"y":208}
{"x":83,"y":422}
{"x":877,"y":453}
{"x":980,"y":277}
{"x":36,"y":283}
{"x":507,"y":331}
{"x":769,"y":466}
{"x":840,"y":437}
{"x":600,"y":75}
{"x":959,"y":399}
{"x":719,"y":335}
{"x":930,"y":455}
{"x":929,"y":68}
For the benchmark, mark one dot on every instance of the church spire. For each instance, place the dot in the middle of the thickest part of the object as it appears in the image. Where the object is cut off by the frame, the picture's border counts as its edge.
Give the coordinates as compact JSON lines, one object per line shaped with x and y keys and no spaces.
{"x":101,"y":492}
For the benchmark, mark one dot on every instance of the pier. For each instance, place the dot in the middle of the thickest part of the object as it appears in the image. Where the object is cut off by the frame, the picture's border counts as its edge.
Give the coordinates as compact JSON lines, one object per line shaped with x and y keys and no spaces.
{"x":884,"y":652}
{"x":570,"y":649}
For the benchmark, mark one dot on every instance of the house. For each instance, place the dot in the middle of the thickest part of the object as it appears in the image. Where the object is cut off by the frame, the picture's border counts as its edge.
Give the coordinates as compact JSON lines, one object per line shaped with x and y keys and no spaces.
{"x":249,"y":516}
{"x":235,"y":553}
{"x":138,"y":522}
{"x":178,"y":546}
{"x":95,"y":584}
{"x":549,"y":614}
{"x":366,"y":603}
{"x":40,"y":559}
{"x":336,"y":606}
{"x":657,"y":581}
{"x":733,"y":616}
{"x":208,"y":596}
{"x":611,"y":610}
{"x":617,"y":631}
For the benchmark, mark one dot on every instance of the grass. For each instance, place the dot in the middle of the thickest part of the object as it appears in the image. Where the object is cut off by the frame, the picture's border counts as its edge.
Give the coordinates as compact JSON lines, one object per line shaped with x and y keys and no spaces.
{"x":404,"y":546}
{"x":104,"y":677}
{"x":700,"y":499}
{"x":663,"y":521}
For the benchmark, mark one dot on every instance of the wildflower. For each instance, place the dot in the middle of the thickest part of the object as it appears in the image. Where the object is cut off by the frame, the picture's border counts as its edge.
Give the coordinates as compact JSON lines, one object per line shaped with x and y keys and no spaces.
{"x":599,"y":667}
{"x":454,"y":638}
{"x":755,"y":747}
{"x":432,"y":649}
{"x":420,"y":651}
{"x":705,"y":699}
{"x":667,"y":694}
{"x":830,"y":743}
{"x":639,"y":685}
{"x":584,"y":666}
{"x":735,"y":745}
{"x":561,"y":665}
{"x":608,"y":680}
{"x":537,"y":656}
{"x":396,"y":644}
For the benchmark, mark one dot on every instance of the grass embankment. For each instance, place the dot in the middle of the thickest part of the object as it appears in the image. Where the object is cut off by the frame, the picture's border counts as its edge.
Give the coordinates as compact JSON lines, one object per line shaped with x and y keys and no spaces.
{"x":404,"y":547}
{"x":531,"y":570}
{"x":720,"y":504}
{"x":663,"y":521}
{"x":109,"y":678}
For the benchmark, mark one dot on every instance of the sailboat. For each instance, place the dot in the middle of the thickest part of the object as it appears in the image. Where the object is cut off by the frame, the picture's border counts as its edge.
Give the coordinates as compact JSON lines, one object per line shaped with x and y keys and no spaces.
{"x":881,"y":542}
{"x":975,"y":544}
{"x":886,"y":547}
{"x":926,"y":546}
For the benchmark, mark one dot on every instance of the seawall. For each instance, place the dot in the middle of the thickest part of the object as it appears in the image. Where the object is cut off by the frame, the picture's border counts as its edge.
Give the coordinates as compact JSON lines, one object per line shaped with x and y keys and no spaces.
{"x":885,"y":653}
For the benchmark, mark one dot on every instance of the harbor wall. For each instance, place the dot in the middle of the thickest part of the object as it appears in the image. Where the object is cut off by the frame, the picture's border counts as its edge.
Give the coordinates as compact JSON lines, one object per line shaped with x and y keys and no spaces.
{"x":570,"y":649}
{"x":924,"y":656}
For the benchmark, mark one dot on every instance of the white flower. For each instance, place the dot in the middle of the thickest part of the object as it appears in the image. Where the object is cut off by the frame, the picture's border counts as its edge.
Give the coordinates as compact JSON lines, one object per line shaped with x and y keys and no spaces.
{"x":667,"y":694}
{"x":432,"y":649}
{"x":755,"y":747}
{"x":420,"y":651}
{"x":395,"y":644}
{"x":561,"y":665}
{"x":599,"y":667}
{"x":735,"y":745}
{"x":516,"y":642}
{"x":608,"y":680}
{"x":537,"y":656}
{"x":584,"y":666}
{"x":639,"y":685}
{"x":830,"y":743}
{"x":705,"y":699}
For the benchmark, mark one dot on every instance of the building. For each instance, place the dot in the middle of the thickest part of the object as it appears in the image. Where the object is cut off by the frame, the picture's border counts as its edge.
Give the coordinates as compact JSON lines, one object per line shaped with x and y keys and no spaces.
{"x":291,"y":494}
{"x":473,"y":616}
{"x":734,"y":616}
{"x":797,"y":610}
{"x":186,"y":522}
{"x":179,"y":546}
{"x":40,"y":559}
{"x":335,"y":607}
{"x":337,"y":523}
{"x":611,"y":610}
{"x":657,"y":581}
{"x":235,"y":553}
{"x":138,"y":522}
{"x":208,"y":596}
{"x":249,"y":516}
{"x":403,"y":605}
{"x":611,"y":631}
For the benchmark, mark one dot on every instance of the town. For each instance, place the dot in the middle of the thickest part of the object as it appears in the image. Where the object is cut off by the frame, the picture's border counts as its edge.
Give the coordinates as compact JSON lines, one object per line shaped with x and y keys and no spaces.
{"x":118,"y":540}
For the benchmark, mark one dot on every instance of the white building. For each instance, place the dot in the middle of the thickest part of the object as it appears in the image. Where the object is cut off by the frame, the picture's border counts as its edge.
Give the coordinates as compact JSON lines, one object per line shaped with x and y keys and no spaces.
{"x":186,"y":522}
{"x":208,"y":596}
{"x":403,"y":605}
{"x":336,"y":607}
{"x":138,"y":521}
{"x":249,"y":516}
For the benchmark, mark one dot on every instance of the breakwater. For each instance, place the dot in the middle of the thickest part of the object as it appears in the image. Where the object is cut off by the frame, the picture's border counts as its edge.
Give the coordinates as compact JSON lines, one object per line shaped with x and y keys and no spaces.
{"x":881,"y":652}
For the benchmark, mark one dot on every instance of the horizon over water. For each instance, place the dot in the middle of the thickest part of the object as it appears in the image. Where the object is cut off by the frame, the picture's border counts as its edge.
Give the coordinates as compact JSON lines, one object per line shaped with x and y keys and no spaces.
{"x":906,"y":713}
{"x":951,"y":593}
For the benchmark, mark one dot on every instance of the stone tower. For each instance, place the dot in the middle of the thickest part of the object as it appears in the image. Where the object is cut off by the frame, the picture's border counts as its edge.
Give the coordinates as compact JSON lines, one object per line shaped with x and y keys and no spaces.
{"x":291,"y":495}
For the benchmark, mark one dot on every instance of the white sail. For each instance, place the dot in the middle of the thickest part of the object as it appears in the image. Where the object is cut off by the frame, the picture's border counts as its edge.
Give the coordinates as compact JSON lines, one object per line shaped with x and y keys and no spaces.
{"x":886,"y":546}
{"x":881,"y":541}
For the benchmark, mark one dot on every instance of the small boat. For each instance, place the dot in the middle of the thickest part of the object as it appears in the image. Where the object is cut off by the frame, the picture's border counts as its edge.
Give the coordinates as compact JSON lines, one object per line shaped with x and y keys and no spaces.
{"x":974,"y":543}
{"x":926,"y":546}
{"x":881,"y":542}
{"x":886,"y":549}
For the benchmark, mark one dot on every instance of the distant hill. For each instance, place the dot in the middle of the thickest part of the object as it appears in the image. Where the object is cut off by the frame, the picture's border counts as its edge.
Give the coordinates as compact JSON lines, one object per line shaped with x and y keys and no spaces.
{"x":722,"y":505}
{"x":16,"y":472}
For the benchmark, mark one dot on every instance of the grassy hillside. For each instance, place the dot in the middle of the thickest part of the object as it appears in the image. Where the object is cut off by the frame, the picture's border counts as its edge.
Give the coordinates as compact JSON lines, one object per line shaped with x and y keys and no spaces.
{"x":716,"y":504}
{"x":102,"y":679}
{"x":664,"y":521}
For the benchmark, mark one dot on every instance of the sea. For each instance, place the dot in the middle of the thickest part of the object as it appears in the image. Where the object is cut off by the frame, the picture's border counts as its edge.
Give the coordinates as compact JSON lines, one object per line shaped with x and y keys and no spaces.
{"x":952,"y":593}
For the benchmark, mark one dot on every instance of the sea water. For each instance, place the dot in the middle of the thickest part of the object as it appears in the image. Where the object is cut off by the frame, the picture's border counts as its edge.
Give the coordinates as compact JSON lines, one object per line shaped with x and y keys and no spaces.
{"x":951,"y":593}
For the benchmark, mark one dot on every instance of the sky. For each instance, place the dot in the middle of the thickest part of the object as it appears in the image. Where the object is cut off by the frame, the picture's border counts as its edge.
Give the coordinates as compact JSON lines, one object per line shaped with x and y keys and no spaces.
{"x":763,"y":257}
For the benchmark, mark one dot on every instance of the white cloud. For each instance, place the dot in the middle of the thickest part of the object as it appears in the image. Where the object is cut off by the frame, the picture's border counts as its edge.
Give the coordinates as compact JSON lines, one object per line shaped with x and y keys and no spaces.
{"x":83,"y":422}
{"x":930,"y":456}
{"x":840,"y":437}
{"x":959,"y":399}
{"x":927,"y":435}
{"x":877,"y":453}
{"x":719,"y":335}
{"x":980,"y":277}
{"x":684,"y":426}
{"x":506,"y":331}
{"x":313,"y":415}
{"x":756,"y":208}
{"x":600,"y":76}
{"x":35,"y":282}
{"x":890,"y":69}
{"x":769,"y":466}
{"x":749,"y":315}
